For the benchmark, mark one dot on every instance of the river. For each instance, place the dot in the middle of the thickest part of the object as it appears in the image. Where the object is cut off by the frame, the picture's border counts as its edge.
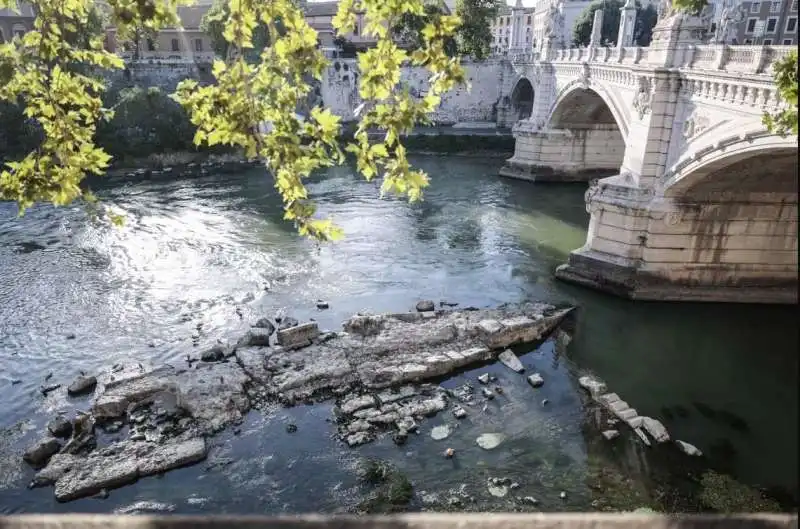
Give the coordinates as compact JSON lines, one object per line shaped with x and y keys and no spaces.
{"x":78,"y":296}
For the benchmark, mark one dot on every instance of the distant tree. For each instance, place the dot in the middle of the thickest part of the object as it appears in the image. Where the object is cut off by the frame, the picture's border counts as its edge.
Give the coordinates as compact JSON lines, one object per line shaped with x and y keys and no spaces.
{"x":643,"y":28}
{"x":474,"y":36}
{"x":407,"y":30}
{"x":213,"y":25}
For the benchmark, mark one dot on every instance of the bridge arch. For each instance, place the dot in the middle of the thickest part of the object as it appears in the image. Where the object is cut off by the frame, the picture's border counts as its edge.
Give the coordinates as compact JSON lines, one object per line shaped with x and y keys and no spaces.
{"x":581,"y":104}
{"x":522,"y":99}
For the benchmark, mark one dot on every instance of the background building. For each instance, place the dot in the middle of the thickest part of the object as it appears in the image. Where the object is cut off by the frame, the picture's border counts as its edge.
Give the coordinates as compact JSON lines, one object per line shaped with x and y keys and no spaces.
{"x":779,"y":18}
{"x":15,"y":24}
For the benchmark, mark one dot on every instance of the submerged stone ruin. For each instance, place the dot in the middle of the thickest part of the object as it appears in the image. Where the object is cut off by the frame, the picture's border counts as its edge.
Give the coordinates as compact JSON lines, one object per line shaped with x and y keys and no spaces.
{"x":381,"y":370}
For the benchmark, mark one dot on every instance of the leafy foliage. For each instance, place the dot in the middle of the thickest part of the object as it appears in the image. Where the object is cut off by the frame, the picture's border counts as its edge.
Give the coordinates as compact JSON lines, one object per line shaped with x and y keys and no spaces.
{"x":643,"y":28}
{"x":475,"y":36}
{"x":146,"y":120}
{"x":65,"y":103}
{"x":689,"y":6}
{"x":784,"y":122}
{"x":252,"y":106}
{"x":408,"y":29}
{"x":213,"y":25}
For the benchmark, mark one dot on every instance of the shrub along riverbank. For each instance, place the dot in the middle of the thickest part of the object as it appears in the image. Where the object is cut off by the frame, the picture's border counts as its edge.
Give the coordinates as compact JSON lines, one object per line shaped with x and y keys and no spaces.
{"x":151,"y":130}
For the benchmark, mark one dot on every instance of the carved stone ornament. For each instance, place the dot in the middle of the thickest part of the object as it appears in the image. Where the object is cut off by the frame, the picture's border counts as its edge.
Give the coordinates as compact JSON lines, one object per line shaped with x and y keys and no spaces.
{"x":673,"y":218}
{"x":584,"y":76}
{"x":643,"y":97}
{"x":588,"y":196}
{"x":695,"y":125}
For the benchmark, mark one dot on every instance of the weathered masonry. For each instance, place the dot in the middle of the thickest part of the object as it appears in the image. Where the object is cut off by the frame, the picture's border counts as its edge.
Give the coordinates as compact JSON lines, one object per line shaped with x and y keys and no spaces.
{"x":699,"y":200}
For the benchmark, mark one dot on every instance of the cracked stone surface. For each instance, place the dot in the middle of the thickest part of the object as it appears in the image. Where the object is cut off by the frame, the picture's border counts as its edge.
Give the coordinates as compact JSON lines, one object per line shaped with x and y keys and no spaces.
{"x":377,"y":369}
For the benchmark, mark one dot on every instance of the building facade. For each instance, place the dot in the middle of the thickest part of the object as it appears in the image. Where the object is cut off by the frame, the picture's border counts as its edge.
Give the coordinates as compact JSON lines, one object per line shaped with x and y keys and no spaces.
{"x":770,"y":23}
{"x":180,"y":44}
{"x":15,"y":24}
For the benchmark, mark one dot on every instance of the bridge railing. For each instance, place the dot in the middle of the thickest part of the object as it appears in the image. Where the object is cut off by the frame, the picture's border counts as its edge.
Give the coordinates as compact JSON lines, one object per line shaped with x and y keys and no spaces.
{"x":751,"y":60}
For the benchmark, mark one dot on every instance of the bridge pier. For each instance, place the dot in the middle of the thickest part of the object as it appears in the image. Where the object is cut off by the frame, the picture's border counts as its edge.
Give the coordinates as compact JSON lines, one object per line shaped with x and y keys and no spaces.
{"x":720,"y":246}
{"x":565,"y":155}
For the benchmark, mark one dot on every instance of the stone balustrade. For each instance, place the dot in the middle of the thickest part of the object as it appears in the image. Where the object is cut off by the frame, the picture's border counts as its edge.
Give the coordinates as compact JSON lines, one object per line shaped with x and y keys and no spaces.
{"x":752,"y":60}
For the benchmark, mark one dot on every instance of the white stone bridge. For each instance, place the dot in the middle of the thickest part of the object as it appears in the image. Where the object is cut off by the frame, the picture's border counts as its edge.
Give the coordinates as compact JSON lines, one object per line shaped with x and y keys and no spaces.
{"x":698,"y":201}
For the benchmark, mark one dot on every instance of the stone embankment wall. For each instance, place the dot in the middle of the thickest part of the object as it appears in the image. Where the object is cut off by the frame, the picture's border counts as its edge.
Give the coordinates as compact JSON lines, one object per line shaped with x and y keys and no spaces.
{"x":160,"y":74}
{"x":480,"y":103}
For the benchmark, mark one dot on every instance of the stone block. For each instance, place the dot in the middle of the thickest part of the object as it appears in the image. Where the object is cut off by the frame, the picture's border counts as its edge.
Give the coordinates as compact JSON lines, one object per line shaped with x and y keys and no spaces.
{"x":298,"y":336}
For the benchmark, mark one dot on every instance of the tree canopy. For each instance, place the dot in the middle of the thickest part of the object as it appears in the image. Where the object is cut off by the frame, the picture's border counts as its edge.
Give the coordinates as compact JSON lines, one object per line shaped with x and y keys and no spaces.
{"x":66,"y":103}
{"x":474,"y":36}
{"x":213,"y":25}
{"x":408,"y":29}
{"x":643,"y":28}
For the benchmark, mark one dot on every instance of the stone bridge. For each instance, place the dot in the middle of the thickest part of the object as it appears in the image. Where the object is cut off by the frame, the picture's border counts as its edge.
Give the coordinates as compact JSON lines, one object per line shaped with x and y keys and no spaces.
{"x":696,"y":199}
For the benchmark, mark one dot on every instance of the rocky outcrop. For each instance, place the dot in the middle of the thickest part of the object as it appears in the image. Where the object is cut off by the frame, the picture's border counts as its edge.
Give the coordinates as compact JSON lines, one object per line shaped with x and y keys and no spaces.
{"x":377,"y":370}
{"x":39,"y":452}
{"x":82,"y":385}
{"x":122,"y":464}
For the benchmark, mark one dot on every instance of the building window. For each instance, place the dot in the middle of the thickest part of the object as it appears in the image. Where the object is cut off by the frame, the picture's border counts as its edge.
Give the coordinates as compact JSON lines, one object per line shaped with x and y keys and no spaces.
{"x":772,"y":24}
{"x":176,"y":45}
{"x":751,"y":25}
{"x":529,"y":20}
{"x":198,"y":44}
{"x":528,"y":39}
{"x":791,"y":24}
{"x":18,"y":30}
{"x":767,"y":42}
{"x":755,"y":7}
{"x":794,"y":5}
{"x":787,"y":42}
{"x":775,"y":7}
{"x":748,"y":41}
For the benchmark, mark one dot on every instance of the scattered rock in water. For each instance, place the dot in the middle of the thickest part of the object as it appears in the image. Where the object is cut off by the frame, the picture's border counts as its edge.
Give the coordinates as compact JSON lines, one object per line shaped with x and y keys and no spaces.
{"x":449,"y":453}
{"x":563,"y":495}
{"x":510,"y":360}
{"x":545,"y":402}
{"x":358,"y":438}
{"x":82,"y":385}
{"x":322,"y":305}
{"x":46,"y":390}
{"x":291,"y":428}
{"x":266,"y":324}
{"x":145,"y":507}
{"x":15,"y":381}
{"x":70,"y":336}
{"x":426,"y":306}
{"x":610,"y":434}
{"x":594,"y":386}
{"x":215,"y":354}
{"x":286,"y":322}
{"x":256,"y":337}
{"x":489,"y":441}
{"x":40,"y":452}
{"x":459,"y":412}
{"x":487,"y":393}
{"x":60,"y":427}
{"x":406,"y":424}
{"x":514,"y":485}
{"x":124,"y":463}
{"x":531,"y":500}
{"x":536,"y":380}
{"x":688,"y":449}
{"x":297,"y":336}
{"x":440,"y":432}
{"x":484,"y":378}
{"x":642,"y":436}
{"x":655,"y":429}
{"x":400,"y":437}
{"x":497,"y":489}
{"x":393,"y":490}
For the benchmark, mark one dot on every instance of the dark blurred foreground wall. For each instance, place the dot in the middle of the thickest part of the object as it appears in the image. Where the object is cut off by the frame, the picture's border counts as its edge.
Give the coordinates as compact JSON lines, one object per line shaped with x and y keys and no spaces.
{"x":419,"y":521}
